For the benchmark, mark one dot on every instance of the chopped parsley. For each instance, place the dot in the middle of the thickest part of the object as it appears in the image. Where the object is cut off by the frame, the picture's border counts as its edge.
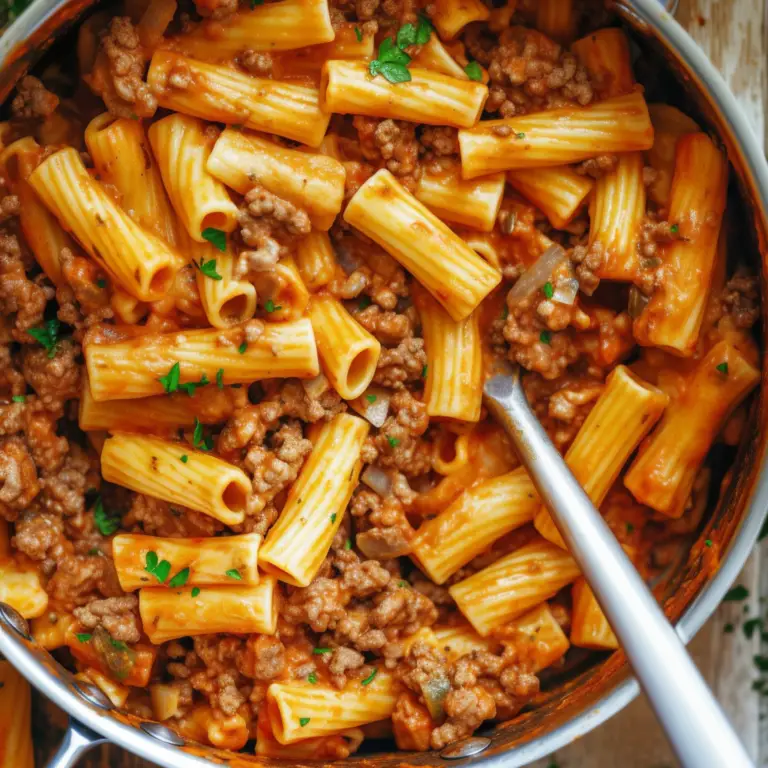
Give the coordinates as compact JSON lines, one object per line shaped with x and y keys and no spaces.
{"x":233,"y":573}
{"x":424,"y":371}
{"x":216,"y":238}
{"x":107,"y":522}
{"x":101,"y":283}
{"x":735,"y":594}
{"x":392,"y":62}
{"x":19,"y":398}
{"x":674,"y":229}
{"x":184,"y":459}
{"x":419,"y":34}
{"x":241,"y":349}
{"x":393,"y":441}
{"x":48,"y":335}
{"x":303,"y":721}
{"x":545,"y":337}
{"x":520,"y":135}
{"x":312,"y":678}
{"x":333,"y":517}
{"x":707,"y":542}
{"x":84,"y":637}
{"x":722,"y":368}
{"x":548,"y":290}
{"x":94,"y":552}
{"x":269,"y":306}
{"x":199,"y":439}
{"x":630,"y":528}
{"x":348,"y":544}
{"x":180,"y":579}
{"x":359,"y":34}
{"x":474,"y":71}
{"x":368,"y":680}
{"x":170,"y":381}
{"x":220,"y":378}
{"x":160,"y":569}
{"x":208,"y":268}
{"x":371,"y":398}
{"x":321,"y":651}
{"x":119,"y":644}
{"x":195,"y":591}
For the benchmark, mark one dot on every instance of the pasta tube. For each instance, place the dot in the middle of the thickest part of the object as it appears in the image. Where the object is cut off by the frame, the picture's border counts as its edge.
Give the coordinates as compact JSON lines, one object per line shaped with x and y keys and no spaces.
{"x":511,"y":586}
{"x":224,"y":95}
{"x":474,"y":203}
{"x":139,"y":261}
{"x":114,"y":691}
{"x":617,"y":212}
{"x":284,"y":288}
{"x":558,"y":192}
{"x":348,"y":353}
{"x":335,"y":746}
{"x":434,"y":55}
{"x":21,"y":588}
{"x":133,"y":368}
{"x":589,"y":627}
{"x":316,"y":260}
{"x":313,"y":182}
{"x":556,"y":19}
{"x":480,"y":516}
{"x":454,"y":387}
{"x":537,"y":637}
{"x":460,"y":639}
{"x":168,"y":615}
{"x":451,"y":16}
{"x":182,"y":146}
{"x":123,"y":159}
{"x":557,"y":136}
{"x":623,"y":415}
{"x":605,"y":55}
{"x":673,"y":316}
{"x":157,"y":468}
{"x":299,"y":710}
{"x":450,"y":270}
{"x":664,"y":471}
{"x":298,"y":542}
{"x":281,"y":26}
{"x":428,"y":97}
{"x":226,"y":299}
{"x":16,"y":716}
{"x":206,"y":561}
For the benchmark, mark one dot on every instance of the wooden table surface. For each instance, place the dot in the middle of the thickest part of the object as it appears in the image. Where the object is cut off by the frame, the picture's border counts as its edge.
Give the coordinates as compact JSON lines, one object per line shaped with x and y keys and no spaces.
{"x":733,"y":34}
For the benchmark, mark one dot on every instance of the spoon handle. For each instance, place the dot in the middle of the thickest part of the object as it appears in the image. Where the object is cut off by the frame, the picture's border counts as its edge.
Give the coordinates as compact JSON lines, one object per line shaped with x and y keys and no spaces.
{"x":697,"y":728}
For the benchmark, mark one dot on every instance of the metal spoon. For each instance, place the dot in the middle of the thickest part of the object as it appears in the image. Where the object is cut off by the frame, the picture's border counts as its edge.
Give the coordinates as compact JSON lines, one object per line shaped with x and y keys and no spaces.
{"x":697,"y":728}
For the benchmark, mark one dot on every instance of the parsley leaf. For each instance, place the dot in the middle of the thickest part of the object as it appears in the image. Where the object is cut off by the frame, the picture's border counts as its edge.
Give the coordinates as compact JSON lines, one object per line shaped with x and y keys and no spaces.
{"x":208,"y":268}
{"x":184,"y":459}
{"x":241,"y":349}
{"x":474,"y":71}
{"x":548,"y":290}
{"x":220,"y":378}
{"x":312,"y":678}
{"x":84,"y":637}
{"x":200,"y":439}
{"x":321,"y":651}
{"x":393,"y":442}
{"x":348,"y":544}
{"x":371,"y":398}
{"x":359,"y":34}
{"x":424,"y":371}
{"x":190,"y":386}
{"x":370,"y":677}
{"x":195,"y":591}
{"x":48,"y":335}
{"x":106,"y":522}
{"x":160,"y":570}
{"x":180,"y":579}
{"x":707,"y":542}
{"x":545,"y":337}
{"x":170,"y":381}
{"x":303,"y":721}
{"x":233,"y":573}
{"x":216,"y":238}
{"x":392,"y":63}
{"x":151,"y":561}
{"x":101,"y":283}
{"x":674,"y":229}
{"x":333,"y":517}
{"x":19,"y":398}
{"x":723,"y":368}
{"x":406,"y":36}
{"x":269,"y":306}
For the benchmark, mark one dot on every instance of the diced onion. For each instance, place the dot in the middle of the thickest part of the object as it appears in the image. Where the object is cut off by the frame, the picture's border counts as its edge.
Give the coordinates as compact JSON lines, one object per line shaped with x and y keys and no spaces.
{"x":373,"y":405}
{"x":377,"y":480}
{"x":566,"y":291}
{"x":348,"y":260}
{"x":316,"y":387}
{"x":637,"y":302}
{"x":434,"y":691}
{"x":534,"y":278}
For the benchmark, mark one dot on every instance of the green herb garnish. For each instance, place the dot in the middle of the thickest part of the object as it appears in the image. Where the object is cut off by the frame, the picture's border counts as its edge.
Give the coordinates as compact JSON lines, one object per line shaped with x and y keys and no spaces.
{"x":208,"y":268}
{"x":101,"y":283}
{"x":321,"y":651}
{"x":84,"y":637}
{"x":393,"y":441}
{"x":371,"y":398}
{"x":160,"y":569}
{"x":233,"y":573}
{"x":180,"y":579}
{"x":548,"y":290}
{"x":722,"y":368}
{"x":216,"y":238}
{"x":370,"y":677}
{"x":48,"y":335}
{"x":392,"y":63}
{"x":184,"y":459}
{"x":269,"y":306}
{"x":106,"y":522}
{"x":241,"y":349}
{"x":333,"y":517}
{"x":545,"y":337}
{"x":199,"y":439}
{"x":195,"y":591}
{"x":474,"y":71}
{"x":19,"y":398}
{"x":419,"y":34}
{"x":364,"y":302}
{"x":348,"y":544}
{"x":220,"y":378}
{"x":312,"y":678}
{"x":303,"y":721}
{"x":359,"y":34}
{"x":170,"y":381}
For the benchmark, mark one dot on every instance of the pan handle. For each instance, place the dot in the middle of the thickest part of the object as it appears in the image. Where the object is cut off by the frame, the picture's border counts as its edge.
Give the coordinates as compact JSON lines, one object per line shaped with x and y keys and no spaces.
{"x":77,"y":741}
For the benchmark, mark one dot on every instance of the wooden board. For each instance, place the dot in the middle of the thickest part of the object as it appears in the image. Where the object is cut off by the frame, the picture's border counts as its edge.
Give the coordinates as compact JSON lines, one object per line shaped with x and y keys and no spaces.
{"x":732,"y":33}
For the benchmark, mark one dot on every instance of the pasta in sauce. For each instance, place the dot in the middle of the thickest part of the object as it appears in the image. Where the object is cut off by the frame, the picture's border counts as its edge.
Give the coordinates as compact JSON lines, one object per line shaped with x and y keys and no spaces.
{"x":255,"y":262}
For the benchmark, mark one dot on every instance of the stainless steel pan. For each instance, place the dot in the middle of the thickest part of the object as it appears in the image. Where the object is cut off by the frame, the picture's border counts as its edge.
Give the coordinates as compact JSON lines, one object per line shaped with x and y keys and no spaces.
{"x":575,"y":706}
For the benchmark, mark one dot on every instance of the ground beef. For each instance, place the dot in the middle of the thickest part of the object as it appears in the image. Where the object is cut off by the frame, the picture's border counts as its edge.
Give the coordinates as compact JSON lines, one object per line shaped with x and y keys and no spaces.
{"x":256,"y":62}
{"x":741,"y":299}
{"x":216,"y":9}
{"x":268,"y":224}
{"x":33,"y":99}
{"x":159,"y":518}
{"x":528,"y":72}
{"x":18,"y":477}
{"x":387,"y":327}
{"x":411,"y":724}
{"x":55,"y":379}
{"x":596,"y":167}
{"x":118,"y":75}
{"x":117,"y":615}
{"x":263,"y":658}
{"x":587,"y":262}
{"x":402,"y":364}
{"x":440,"y":140}
{"x":390,"y":144}
{"x":343,"y":661}
{"x":9,"y":206}
{"x":84,"y":300}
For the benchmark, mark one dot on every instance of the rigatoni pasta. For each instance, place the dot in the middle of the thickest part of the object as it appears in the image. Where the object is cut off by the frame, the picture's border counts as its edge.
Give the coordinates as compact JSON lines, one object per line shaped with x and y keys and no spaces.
{"x":316,"y":260}
{"x":177,"y":473}
{"x":451,"y":16}
{"x":454,"y":274}
{"x":589,"y":627}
